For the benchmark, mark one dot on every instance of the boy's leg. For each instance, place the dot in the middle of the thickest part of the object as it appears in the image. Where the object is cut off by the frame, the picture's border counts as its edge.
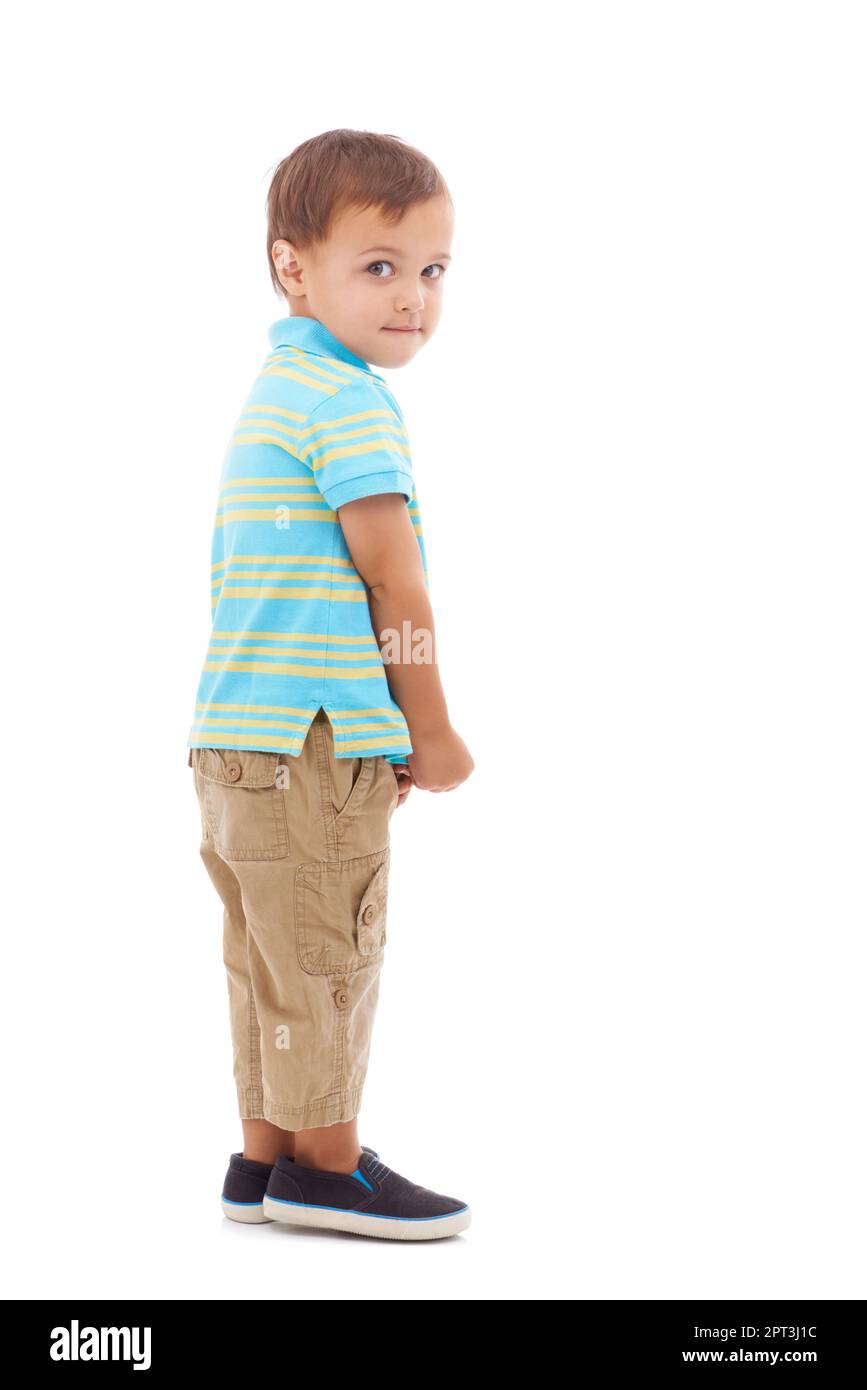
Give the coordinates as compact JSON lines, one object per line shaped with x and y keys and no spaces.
{"x":266,"y":1142}
{"x":262,"y":1139}
{"x":316,"y":931}
{"x":303,"y":881}
{"x":243,"y":1019}
{"x":335,"y":1147}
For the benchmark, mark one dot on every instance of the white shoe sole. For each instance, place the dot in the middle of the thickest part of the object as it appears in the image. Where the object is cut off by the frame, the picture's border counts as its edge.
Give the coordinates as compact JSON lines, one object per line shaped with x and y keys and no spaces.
{"x":386,"y":1227}
{"x":249,"y":1212}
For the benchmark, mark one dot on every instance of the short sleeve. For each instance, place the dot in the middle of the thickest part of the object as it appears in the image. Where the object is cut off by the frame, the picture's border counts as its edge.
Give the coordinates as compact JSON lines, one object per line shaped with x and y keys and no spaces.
{"x":357,"y":445}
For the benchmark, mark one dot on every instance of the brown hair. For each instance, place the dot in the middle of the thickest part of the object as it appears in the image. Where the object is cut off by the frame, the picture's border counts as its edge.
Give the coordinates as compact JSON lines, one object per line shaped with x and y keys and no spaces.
{"x":339,"y":170}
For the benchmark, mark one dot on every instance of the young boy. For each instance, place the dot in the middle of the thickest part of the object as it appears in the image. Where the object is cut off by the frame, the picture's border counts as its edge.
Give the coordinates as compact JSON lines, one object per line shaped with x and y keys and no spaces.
{"x":307,"y":733}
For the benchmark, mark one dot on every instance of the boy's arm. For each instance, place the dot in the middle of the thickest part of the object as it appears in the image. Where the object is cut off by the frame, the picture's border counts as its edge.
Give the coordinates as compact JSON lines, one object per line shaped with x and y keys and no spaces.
{"x":384,"y":549}
{"x":364,"y":473}
{"x":382,"y":542}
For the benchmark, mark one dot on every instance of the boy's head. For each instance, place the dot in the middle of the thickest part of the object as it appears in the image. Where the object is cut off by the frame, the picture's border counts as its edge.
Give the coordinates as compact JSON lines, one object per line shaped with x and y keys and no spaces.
{"x":359,"y":237}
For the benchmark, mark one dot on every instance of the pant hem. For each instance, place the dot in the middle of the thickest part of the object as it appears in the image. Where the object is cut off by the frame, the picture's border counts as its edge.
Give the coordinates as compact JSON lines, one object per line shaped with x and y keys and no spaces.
{"x":327,"y":1110}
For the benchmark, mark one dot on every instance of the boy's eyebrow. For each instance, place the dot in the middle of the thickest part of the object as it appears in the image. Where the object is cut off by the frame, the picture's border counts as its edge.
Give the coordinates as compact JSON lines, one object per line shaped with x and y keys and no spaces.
{"x":395,"y":251}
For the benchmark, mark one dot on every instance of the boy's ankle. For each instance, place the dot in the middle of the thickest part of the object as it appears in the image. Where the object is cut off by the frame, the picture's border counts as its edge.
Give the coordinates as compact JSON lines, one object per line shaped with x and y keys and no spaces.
{"x":328,"y":1163}
{"x":264,"y":1155}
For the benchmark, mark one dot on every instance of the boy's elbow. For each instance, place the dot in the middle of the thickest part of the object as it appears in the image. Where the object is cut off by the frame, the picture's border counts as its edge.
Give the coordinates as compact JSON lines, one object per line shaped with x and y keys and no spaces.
{"x":396,"y":581}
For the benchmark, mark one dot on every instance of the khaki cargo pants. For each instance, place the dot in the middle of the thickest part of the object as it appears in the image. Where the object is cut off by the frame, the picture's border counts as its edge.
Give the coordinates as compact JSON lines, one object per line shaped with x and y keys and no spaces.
{"x":298,"y":850}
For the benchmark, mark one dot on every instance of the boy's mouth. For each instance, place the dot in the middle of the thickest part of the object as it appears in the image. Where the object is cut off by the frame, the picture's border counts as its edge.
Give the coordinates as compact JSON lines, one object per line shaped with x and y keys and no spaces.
{"x":401,"y":330}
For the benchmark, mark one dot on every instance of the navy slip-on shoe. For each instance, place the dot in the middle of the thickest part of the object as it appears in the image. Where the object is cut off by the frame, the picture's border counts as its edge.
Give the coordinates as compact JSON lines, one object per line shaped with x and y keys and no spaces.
{"x":371,"y":1201}
{"x":244,"y":1187}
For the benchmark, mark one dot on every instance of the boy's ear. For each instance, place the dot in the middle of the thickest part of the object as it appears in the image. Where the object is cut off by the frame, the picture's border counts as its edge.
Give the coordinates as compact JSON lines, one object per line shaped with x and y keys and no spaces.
{"x":281,"y":253}
{"x":288,"y":268}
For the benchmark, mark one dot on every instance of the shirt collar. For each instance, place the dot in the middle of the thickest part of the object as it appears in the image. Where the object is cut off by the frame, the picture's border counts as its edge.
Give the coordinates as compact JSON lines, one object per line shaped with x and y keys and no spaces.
{"x":312,"y":336}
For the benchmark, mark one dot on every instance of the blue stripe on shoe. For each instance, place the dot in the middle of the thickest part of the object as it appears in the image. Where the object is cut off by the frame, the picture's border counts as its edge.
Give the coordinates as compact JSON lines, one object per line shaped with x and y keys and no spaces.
{"x":361,"y":1178}
{"x":233,"y":1203}
{"x":351,"y":1211}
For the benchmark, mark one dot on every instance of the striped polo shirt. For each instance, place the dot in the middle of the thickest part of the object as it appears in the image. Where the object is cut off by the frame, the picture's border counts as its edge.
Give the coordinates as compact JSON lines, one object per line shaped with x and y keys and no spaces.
{"x":291,"y":626}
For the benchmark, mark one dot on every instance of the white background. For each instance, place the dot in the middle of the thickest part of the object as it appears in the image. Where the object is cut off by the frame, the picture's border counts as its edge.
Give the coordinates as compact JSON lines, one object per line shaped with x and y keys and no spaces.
{"x":622,"y":1013}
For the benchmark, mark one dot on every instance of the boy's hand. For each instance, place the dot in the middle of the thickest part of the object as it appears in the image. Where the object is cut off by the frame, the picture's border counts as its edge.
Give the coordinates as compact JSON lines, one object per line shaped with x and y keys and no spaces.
{"x":441,"y":761}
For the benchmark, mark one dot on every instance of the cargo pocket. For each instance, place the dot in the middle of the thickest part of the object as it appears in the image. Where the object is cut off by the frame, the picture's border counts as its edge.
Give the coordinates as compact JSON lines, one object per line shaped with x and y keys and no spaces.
{"x":340,"y":912}
{"x":243,"y":804}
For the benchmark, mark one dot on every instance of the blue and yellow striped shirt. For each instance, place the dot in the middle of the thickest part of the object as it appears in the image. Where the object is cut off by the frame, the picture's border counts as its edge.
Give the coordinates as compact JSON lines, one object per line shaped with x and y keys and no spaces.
{"x":291,"y":623}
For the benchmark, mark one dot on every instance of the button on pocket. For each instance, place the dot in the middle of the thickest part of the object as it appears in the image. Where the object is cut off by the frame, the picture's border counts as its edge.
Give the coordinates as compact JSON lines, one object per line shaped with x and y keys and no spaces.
{"x":244,"y":807}
{"x":340,"y":910}
{"x":370,"y":920}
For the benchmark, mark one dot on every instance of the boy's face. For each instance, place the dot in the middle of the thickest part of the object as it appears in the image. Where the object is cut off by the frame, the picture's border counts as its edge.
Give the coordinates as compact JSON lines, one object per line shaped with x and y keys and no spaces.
{"x":370,"y":279}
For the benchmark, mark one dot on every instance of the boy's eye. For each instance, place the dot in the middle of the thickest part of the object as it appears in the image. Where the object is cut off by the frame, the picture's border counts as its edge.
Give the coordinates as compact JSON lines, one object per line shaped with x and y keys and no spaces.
{"x":436,"y":266}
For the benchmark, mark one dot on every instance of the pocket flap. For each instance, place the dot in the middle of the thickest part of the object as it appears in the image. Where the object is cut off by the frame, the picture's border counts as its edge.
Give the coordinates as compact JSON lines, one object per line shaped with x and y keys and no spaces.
{"x":239,"y":767}
{"x":340,"y":913}
{"x":370,"y":920}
